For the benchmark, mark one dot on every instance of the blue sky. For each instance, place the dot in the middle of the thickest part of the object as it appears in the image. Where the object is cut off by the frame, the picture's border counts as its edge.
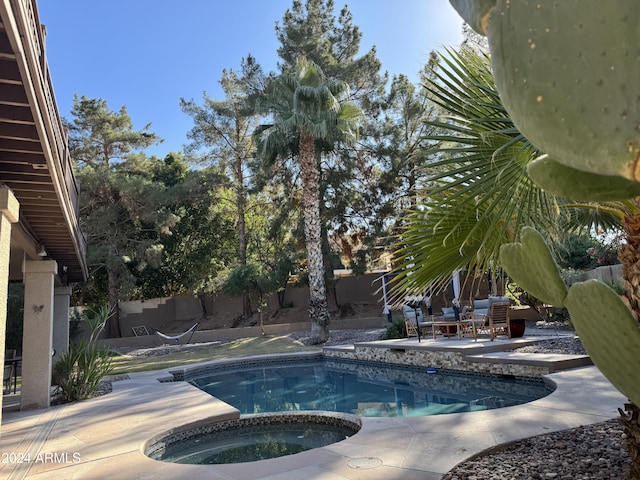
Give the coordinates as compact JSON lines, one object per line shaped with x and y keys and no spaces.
{"x":147,"y":54}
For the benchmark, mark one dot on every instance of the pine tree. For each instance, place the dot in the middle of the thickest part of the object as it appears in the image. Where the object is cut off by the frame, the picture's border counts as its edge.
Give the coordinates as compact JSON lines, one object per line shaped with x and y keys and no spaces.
{"x":221,"y":137}
{"x":115,"y":193}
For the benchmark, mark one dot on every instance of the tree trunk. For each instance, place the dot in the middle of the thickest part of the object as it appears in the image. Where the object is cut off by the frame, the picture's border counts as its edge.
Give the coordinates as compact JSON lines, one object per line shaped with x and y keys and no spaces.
{"x":630,"y":420}
{"x":630,"y":258}
{"x":241,"y":205}
{"x":318,"y":306}
{"x":113,"y":323}
{"x":329,"y":278}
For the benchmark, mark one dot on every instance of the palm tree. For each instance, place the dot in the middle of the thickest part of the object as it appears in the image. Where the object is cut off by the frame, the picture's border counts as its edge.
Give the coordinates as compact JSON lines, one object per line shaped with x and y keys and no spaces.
{"x":483,"y":197}
{"x":308,"y":117}
{"x":479,"y":196}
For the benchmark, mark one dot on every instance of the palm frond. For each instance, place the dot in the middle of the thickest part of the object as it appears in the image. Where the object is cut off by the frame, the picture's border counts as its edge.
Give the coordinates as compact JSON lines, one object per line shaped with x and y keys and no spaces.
{"x":477,"y":192}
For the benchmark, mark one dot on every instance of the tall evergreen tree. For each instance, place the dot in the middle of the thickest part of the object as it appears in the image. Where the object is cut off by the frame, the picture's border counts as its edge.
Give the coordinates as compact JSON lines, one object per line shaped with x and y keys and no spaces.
{"x":397,"y":148}
{"x":115,"y":193}
{"x":224,"y":128}
{"x":311,"y":30}
{"x":199,"y":245}
{"x":98,"y":135}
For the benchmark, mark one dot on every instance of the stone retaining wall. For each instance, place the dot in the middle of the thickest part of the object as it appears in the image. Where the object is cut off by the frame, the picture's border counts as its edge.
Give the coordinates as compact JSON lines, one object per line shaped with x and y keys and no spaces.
{"x":438,"y":359}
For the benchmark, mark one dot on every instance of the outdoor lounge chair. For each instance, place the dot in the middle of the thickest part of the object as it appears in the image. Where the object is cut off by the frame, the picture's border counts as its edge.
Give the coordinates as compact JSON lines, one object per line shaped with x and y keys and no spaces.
{"x":495,"y":323}
{"x":164,"y":339}
{"x":412,"y":324}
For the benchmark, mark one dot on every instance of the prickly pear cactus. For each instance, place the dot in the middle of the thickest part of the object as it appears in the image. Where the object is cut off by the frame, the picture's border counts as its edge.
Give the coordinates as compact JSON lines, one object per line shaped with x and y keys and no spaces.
{"x":567,"y":73}
{"x":531,"y":265}
{"x":609,"y":332}
{"x":564,"y":181}
{"x":602,"y":320}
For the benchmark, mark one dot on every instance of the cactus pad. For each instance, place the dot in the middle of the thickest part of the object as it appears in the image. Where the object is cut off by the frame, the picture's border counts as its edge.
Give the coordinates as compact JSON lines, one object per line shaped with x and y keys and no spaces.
{"x":558,"y":179}
{"x":567,"y":74}
{"x":609,"y":332}
{"x":475,"y":12}
{"x":531,"y":265}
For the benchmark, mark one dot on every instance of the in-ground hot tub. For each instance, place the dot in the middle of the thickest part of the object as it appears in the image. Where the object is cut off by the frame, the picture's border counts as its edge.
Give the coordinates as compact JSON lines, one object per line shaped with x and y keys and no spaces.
{"x":254,"y":437}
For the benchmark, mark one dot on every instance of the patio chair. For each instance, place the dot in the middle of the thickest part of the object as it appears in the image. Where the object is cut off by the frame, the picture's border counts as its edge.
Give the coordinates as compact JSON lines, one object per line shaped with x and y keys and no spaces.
{"x":495,"y":323}
{"x":6,"y":379}
{"x":164,"y":338}
{"x":412,"y":324}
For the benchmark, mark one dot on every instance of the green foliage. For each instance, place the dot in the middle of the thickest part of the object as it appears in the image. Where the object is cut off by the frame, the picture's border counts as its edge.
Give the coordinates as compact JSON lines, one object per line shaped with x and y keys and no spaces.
{"x":249,"y":279}
{"x":98,"y":135}
{"x":307,"y":111}
{"x":221,"y":137}
{"x":583,"y":252}
{"x":354,"y":197}
{"x":311,"y":30}
{"x":478,"y":195}
{"x":199,"y":246}
{"x":15,"y":316}
{"x":78,"y":372}
{"x":395,"y":329}
{"x":118,"y":200}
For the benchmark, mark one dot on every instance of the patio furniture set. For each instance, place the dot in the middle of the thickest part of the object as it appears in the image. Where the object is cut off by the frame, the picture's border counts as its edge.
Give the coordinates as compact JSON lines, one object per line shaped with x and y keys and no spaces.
{"x":490,"y":316}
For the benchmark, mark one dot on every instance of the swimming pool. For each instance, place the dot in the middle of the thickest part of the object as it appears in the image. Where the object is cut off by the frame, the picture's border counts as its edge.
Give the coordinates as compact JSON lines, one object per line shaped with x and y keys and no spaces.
{"x":362,"y":388}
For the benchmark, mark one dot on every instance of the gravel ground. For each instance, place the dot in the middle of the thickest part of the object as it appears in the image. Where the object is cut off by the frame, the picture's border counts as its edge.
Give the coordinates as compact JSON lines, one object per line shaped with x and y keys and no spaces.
{"x":588,"y":452}
{"x":341,"y":337}
{"x":585,"y":453}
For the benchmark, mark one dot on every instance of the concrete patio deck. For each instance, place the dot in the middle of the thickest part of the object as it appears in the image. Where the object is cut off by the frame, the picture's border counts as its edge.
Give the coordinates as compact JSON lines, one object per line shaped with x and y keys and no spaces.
{"x":104,"y":437}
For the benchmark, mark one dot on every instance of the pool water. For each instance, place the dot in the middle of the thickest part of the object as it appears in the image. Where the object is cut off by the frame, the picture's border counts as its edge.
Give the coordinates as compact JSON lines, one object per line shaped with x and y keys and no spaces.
{"x":365,"y":389}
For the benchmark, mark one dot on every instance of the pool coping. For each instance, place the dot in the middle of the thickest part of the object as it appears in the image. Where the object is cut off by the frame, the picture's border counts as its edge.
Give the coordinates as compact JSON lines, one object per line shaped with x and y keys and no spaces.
{"x":108,"y":433}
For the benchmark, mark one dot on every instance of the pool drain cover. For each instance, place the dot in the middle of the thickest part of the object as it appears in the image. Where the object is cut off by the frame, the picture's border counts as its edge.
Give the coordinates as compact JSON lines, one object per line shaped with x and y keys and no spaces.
{"x":364,"y":463}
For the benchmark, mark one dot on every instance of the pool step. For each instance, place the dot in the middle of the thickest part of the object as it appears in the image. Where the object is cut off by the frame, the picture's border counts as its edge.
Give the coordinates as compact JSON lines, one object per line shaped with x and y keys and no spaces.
{"x":554,"y":362}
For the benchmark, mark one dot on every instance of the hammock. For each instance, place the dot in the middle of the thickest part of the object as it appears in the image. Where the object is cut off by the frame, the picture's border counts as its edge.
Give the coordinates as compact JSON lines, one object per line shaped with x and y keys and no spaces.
{"x":176,"y":338}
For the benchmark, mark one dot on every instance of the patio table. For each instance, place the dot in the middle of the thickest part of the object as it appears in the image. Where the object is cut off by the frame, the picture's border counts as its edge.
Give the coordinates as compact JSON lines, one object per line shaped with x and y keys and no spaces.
{"x":446,"y":324}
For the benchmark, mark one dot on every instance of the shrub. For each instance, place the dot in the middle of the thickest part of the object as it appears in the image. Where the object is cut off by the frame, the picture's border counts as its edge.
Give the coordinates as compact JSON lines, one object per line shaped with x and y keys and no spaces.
{"x":79,"y":371}
{"x":395,"y":329}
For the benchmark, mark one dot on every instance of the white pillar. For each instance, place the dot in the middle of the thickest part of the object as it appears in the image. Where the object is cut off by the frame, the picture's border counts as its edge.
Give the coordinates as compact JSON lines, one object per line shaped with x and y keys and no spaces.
{"x":9,"y":208}
{"x":61,"y":321}
{"x":39,"y":277}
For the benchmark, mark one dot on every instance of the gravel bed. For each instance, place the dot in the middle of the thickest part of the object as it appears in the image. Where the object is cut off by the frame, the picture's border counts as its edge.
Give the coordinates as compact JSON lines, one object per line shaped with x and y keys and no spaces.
{"x":568,"y":345}
{"x":588,"y":452}
{"x":341,"y":337}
